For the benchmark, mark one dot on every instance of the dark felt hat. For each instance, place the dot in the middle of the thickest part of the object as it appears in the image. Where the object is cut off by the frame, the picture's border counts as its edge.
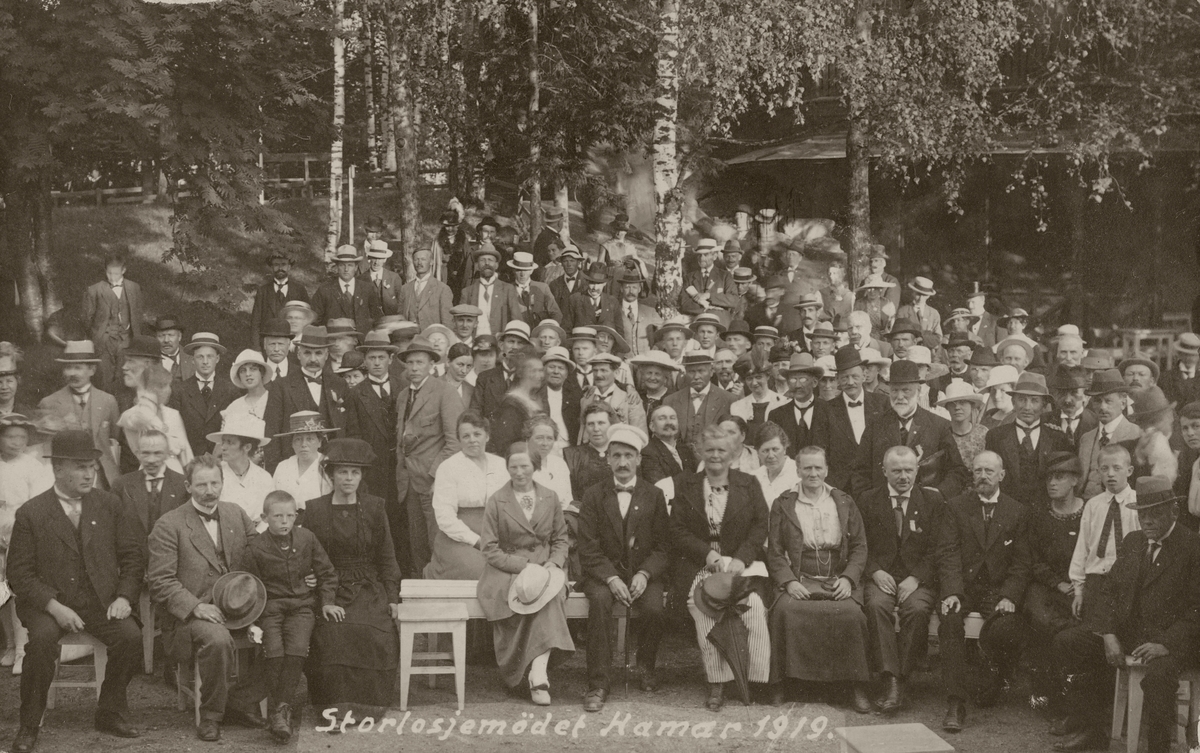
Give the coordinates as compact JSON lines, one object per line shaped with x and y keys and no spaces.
{"x":1153,"y":491}
{"x":905,"y":372}
{"x":847,"y":357}
{"x":1063,"y":462}
{"x":275,"y":328}
{"x":73,"y":445}
{"x":349,"y":451}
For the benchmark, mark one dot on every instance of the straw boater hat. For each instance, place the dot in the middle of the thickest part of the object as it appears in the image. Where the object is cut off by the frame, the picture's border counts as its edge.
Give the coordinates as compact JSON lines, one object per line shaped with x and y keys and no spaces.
{"x":655,"y":357}
{"x":244,"y":358}
{"x":582,"y":333}
{"x":305,"y":422}
{"x":708,"y":317}
{"x":244,"y":426}
{"x":534,"y":587}
{"x":522,"y":261}
{"x":1188,"y":344}
{"x":809,"y":301}
{"x":707,"y":245}
{"x":767,"y":331}
{"x":922,"y":286}
{"x":876,"y":282}
{"x":241,"y":597}
{"x":672,"y":326}
{"x":959,"y":390}
{"x":202,"y":339}
{"x":78,"y":351}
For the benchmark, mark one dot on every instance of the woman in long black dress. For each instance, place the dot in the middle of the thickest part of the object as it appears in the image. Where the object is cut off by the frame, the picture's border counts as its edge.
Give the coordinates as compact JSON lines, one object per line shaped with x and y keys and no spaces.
{"x":353,"y":662}
{"x":1053,"y":531}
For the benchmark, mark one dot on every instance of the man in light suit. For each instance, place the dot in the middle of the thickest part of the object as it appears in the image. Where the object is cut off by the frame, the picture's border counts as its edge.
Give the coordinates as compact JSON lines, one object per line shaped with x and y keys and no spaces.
{"x":75,"y":564}
{"x":201,"y":399}
{"x":700,"y":403}
{"x":153,"y":488}
{"x":348,"y":296}
{"x":638,"y":321}
{"x":272,"y":294}
{"x":425,"y":299}
{"x":1108,"y":393}
{"x":82,"y":407}
{"x":496,"y":299}
{"x":708,"y":286}
{"x":190,"y":548}
{"x":624,"y":551}
{"x":311,"y":387}
{"x":625,"y":403}
{"x":386,"y":282}
{"x":427,"y":433}
{"x":112,"y":312}
{"x":535,"y":301}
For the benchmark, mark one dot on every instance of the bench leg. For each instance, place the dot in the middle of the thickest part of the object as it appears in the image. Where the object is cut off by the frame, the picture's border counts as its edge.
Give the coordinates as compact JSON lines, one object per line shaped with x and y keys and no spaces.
{"x":52,"y":693}
{"x":196,"y":688}
{"x":1133,"y":725}
{"x":1120,"y":701}
{"x":406,"y":653}
{"x":622,"y":624}
{"x":431,"y":645}
{"x":148,"y":638}
{"x":100,"y":662}
{"x":460,"y":663}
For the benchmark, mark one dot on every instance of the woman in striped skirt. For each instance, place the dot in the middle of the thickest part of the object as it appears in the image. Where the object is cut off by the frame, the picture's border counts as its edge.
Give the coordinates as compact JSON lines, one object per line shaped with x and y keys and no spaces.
{"x":719,"y":523}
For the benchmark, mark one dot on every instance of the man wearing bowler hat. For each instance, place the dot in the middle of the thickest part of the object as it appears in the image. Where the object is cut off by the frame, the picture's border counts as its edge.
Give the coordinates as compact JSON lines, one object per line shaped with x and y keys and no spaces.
{"x":386,"y":282}
{"x":310,"y":387}
{"x":535,"y":302}
{"x":1071,"y":414}
{"x":624,"y":544}
{"x":348,"y":296}
{"x":590,"y":304}
{"x":192,"y":549}
{"x":803,"y":417}
{"x":851,"y":412}
{"x":495,"y":298}
{"x":83,"y":407}
{"x":201,"y":399}
{"x":276,"y":345}
{"x":553,"y":221}
{"x":940,"y":463}
{"x":75,"y":563}
{"x":698,"y":402}
{"x":1179,"y":383}
{"x":1151,"y":620}
{"x":272,"y":294}
{"x":1027,"y":444}
{"x":427,"y":433}
{"x":169,"y":334}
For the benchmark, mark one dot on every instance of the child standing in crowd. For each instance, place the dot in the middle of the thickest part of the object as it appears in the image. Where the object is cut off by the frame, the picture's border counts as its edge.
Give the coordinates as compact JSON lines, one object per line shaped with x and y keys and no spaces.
{"x":282,"y":559}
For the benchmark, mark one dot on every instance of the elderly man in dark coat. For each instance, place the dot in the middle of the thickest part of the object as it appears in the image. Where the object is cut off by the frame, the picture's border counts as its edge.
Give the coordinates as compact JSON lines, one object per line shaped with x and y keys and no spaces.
{"x":76,"y":563}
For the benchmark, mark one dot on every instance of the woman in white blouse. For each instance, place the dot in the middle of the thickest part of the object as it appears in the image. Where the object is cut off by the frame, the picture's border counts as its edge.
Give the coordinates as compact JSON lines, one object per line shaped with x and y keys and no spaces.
{"x":777,"y":472}
{"x":462,"y":485}
{"x":300,"y":475}
{"x":249,"y":372}
{"x":151,"y":412}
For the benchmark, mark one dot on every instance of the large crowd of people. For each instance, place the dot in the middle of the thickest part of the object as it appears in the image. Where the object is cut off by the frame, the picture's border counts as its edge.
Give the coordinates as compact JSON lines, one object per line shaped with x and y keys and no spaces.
{"x":824,"y":466}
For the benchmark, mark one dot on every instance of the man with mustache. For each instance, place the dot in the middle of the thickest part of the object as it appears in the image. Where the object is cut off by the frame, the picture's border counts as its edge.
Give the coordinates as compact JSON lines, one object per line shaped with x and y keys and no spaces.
{"x":664,"y":456}
{"x":623,"y":549}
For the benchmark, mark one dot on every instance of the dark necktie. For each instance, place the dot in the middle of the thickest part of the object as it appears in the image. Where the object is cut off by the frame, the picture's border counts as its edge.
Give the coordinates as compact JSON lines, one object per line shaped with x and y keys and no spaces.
{"x":704,"y":282}
{"x":279,"y":291}
{"x":1152,"y":550}
{"x":1112,"y":523}
{"x":487,"y":293}
{"x":412,"y":396}
{"x":898,"y":512}
{"x":525,"y":298}
{"x":347,"y":298}
{"x":989,"y":510}
{"x":381,"y":389}
{"x":903,"y":431}
{"x":1027,"y":438}
{"x":1103,"y":438}
{"x":81,"y":399}
{"x":379,"y":285}
{"x":205,"y":390}
{"x":155,"y":485}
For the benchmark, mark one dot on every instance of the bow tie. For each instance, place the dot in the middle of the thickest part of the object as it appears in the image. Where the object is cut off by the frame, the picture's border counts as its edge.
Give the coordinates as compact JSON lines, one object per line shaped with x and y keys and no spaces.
{"x":854,"y":403}
{"x":621,"y":488}
{"x":279,"y":286}
{"x":312,"y":379}
{"x":115,"y":285}
{"x":208,"y":517}
{"x":698,"y":395}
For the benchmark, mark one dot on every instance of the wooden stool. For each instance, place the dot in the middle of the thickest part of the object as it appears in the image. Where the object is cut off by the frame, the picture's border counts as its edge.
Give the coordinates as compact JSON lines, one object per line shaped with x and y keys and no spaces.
{"x":146,"y":613}
{"x":99,"y":665}
{"x":892,"y":738}
{"x":1127,"y":701}
{"x":431,"y":618}
{"x":189,"y":689}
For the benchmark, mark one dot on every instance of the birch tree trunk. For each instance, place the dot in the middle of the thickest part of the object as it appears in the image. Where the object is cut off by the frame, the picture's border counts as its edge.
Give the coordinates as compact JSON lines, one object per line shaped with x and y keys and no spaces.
{"x":28,"y":225}
{"x":405,"y":139}
{"x":369,"y":91}
{"x":667,"y":209}
{"x":386,"y":126}
{"x":334,"y":231}
{"x":535,"y":148}
{"x":472,"y":156}
{"x":858,"y":159}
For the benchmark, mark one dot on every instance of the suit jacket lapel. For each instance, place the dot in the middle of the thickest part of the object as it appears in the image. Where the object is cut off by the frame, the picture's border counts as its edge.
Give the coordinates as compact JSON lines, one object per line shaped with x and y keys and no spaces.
{"x":976,"y":522}
{"x":62,"y":524}
{"x":613,"y":508}
{"x":1000,"y":519}
{"x":1166,"y":557}
{"x":204,"y":543}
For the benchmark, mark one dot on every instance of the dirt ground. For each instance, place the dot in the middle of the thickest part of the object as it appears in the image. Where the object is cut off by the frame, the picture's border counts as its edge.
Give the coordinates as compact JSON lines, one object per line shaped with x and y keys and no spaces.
{"x":649,"y":721}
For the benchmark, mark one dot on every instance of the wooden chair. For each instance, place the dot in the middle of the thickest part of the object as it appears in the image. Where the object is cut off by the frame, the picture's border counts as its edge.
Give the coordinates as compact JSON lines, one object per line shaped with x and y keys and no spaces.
{"x":433,"y":619}
{"x":1127,"y":702}
{"x":99,"y":666}
{"x":189,"y":688}
{"x":149,"y":632}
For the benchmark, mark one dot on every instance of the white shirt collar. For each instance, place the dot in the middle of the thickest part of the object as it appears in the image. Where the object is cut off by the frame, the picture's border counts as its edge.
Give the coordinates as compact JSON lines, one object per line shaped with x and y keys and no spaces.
{"x":995,"y":498}
{"x":1111,"y":426}
{"x":893,"y":493}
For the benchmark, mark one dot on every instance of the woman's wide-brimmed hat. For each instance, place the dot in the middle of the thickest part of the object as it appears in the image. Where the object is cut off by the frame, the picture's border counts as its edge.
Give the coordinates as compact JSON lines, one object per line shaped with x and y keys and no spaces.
{"x":241,"y":597}
{"x":620,"y":347}
{"x":305,"y":422}
{"x":349,"y":451}
{"x":876,"y":282}
{"x":244,"y":426}
{"x":959,"y":390}
{"x":534,"y":587}
{"x":247,"y":357}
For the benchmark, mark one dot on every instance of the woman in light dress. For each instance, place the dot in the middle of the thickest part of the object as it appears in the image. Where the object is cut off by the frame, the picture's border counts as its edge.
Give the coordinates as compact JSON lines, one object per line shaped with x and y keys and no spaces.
{"x":151,"y":412}
{"x":249,"y":372}
{"x":300,"y":475}
{"x":777,"y":472}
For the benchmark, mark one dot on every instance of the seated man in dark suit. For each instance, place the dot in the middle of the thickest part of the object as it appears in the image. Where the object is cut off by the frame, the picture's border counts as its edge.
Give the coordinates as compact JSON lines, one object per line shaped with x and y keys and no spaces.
{"x":76,"y":563}
{"x":664,"y":455}
{"x":624,"y":540}
{"x":910,"y":566}
{"x":989,"y":530}
{"x":1151,"y":619}
{"x":153,"y":488}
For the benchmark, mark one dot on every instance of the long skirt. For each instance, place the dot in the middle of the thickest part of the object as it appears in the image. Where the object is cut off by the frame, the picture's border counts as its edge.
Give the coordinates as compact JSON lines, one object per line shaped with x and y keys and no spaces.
{"x":354,"y":661}
{"x":819,"y":641}
{"x":521,"y":638}
{"x":454,"y":560}
{"x":755,"y":620}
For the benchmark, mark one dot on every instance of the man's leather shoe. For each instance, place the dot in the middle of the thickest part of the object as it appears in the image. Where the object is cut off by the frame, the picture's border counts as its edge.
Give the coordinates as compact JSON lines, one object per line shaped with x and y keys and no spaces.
{"x":648,"y":681}
{"x":862,"y":701}
{"x":956,"y":716}
{"x":113,"y":724}
{"x":594,"y":700}
{"x":281,"y":723}
{"x":25,"y":740}
{"x":891,"y":700}
{"x":1086,"y":739}
{"x":209,"y":730}
{"x":716,"y":696}
{"x":1065,"y":726}
{"x":250,"y":720}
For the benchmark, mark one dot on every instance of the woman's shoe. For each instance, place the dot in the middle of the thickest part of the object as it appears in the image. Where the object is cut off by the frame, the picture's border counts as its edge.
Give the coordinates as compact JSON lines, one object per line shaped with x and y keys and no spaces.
{"x":716,"y":696}
{"x":17,"y":663}
{"x":10,"y":656}
{"x":540,"y":694}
